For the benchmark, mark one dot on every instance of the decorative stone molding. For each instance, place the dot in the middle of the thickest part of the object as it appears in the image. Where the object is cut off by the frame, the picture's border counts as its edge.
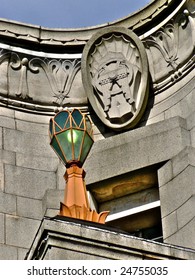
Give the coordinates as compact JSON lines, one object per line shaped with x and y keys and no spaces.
{"x":115,"y":76}
{"x":41,"y":81}
{"x":34,"y":82}
{"x":35,"y":34}
{"x":171,"y":49}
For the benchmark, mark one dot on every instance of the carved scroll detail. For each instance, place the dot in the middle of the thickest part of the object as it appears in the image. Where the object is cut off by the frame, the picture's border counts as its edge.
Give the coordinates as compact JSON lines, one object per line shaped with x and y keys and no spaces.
{"x":171,"y":49}
{"x":59,"y":72}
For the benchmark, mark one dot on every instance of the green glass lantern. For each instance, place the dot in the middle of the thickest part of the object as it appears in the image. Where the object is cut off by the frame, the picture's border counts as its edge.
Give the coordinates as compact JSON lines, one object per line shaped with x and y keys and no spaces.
{"x":71,"y":136}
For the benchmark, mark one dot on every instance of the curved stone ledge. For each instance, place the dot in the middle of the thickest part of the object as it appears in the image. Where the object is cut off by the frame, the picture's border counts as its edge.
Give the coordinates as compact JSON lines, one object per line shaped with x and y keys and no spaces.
{"x":79,"y":36}
{"x":38,"y":76}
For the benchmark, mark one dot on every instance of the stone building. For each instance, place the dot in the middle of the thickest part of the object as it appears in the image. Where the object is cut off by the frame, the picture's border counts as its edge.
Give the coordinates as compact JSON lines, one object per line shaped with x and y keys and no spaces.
{"x":135,"y":79}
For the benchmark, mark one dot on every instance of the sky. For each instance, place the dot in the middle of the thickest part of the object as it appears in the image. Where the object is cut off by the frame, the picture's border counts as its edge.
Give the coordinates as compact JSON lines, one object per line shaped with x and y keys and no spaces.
{"x":68,"y":13}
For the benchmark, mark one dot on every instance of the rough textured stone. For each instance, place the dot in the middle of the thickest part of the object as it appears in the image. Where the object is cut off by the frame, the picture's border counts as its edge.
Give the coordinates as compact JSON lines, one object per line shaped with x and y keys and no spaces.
{"x":7,"y":203}
{"x":165,"y":173}
{"x":7,"y":157}
{"x":170,"y":224}
{"x":40,"y":119}
{"x":2,"y":181}
{"x":137,"y":149}
{"x":182,"y":160}
{"x":177,"y":191}
{"x":7,"y":122}
{"x":29,"y":126}
{"x":2,"y":228}
{"x":28,"y":182}
{"x":171,"y":106}
{"x":1,"y":137}
{"x":185,"y":213}
{"x":193,"y":137}
{"x":7,"y":112}
{"x":24,"y":231}
{"x":184,"y":236}
{"x":52,"y":199}
{"x":21,"y":253}
{"x":8,"y":252}
{"x":191,"y":121}
{"x":83,"y":240}
{"x":30,"y":208}
{"x":30,"y":143}
{"x":37,"y":162}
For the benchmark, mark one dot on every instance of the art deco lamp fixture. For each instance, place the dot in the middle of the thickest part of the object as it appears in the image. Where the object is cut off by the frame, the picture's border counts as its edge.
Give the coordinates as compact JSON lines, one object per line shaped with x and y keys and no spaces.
{"x":71,"y":138}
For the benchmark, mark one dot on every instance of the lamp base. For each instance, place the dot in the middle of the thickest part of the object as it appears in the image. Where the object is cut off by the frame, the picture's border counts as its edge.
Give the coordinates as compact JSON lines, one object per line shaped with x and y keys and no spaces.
{"x":83,"y":213}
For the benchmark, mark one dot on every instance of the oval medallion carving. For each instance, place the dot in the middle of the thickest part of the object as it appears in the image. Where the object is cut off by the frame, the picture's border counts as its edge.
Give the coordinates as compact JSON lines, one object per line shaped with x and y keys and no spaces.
{"x":115,"y":76}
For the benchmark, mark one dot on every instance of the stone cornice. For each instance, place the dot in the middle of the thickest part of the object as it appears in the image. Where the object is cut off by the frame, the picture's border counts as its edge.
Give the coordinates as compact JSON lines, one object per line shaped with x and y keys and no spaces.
{"x":140,"y":21}
{"x":41,"y":68}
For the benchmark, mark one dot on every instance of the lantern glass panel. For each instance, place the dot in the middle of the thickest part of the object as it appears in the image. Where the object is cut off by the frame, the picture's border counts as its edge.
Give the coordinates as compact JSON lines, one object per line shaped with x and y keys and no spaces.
{"x":65,"y":143}
{"x":57,"y":128}
{"x":77,"y":117}
{"x":67,"y":124}
{"x":61,"y":118}
{"x":57,"y":149}
{"x":77,"y":140}
{"x":87,"y":143}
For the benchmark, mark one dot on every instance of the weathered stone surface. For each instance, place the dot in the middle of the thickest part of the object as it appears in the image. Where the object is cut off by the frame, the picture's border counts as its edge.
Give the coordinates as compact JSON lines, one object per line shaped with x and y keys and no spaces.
{"x":7,"y":157}
{"x":21,"y":253}
{"x":138,"y":148}
{"x":170,"y":225}
{"x":37,"y":162}
{"x":184,"y":236}
{"x":24,"y":230}
{"x":177,"y":191}
{"x":84,"y":241}
{"x":7,"y":203}
{"x":28,"y":182}
{"x":185,"y":213}
{"x":177,"y":197}
{"x":8,"y":252}
{"x":7,"y":112}
{"x":2,"y":181}
{"x":1,"y":132}
{"x":2,"y":228}
{"x":7,"y":122}
{"x":40,"y":119}
{"x":32,"y":127}
{"x":170,"y":105}
{"x":30,"y":143}
{"x":191,"y":121}
{"x":51,"y":200}
{"x":30,"y":208}
{"x":165,"y":173}
{"x":182,"y":160}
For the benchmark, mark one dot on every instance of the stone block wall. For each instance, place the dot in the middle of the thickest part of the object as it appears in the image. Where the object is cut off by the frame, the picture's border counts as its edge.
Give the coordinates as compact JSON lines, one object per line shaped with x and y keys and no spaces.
{"x":177,"y":195}
{"x":28,"y":167}
{"x":31,"y":178}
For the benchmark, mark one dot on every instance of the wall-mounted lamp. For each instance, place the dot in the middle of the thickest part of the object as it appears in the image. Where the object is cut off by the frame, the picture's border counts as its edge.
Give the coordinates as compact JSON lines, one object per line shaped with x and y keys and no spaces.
{"x":71,"y":138}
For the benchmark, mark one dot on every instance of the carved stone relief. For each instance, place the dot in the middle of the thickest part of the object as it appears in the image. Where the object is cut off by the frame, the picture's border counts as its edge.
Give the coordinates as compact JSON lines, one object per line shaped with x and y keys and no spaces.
{"x":37,"y":80}
{"x":171,"y":49}
{"x":115,"y":77}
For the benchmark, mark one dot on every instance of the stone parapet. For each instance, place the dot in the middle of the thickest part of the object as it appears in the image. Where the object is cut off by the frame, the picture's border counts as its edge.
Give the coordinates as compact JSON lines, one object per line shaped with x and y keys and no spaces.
{"x":63,"y":238}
